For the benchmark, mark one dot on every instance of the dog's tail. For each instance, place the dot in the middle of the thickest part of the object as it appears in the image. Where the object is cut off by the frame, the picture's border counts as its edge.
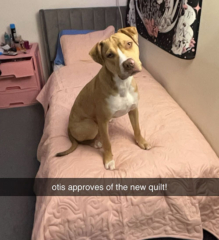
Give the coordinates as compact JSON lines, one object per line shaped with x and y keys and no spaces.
{"x":71,"y":149}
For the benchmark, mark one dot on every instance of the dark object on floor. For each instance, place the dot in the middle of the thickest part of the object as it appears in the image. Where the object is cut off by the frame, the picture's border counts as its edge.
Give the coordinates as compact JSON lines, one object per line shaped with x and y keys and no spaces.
{"x":207,"y":236}
{"x":20,"y":133}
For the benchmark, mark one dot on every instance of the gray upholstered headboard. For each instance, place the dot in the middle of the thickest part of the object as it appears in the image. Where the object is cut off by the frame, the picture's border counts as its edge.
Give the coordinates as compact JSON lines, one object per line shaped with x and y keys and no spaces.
{"x":52,"y":21}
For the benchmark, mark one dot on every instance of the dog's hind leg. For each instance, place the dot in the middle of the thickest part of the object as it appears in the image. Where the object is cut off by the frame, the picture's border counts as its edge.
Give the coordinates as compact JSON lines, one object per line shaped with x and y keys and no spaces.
{"x":81,"y":131}
{"x":84,"y":130}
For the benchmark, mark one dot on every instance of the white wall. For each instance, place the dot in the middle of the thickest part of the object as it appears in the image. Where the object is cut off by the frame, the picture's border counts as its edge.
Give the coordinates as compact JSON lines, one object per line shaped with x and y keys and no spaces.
{"x":193,"y":84}
{"x":24,"y":13}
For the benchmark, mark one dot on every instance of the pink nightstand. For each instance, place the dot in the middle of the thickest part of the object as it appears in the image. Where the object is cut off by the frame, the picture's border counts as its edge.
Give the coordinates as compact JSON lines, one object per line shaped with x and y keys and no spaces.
{"x":21,"y":78}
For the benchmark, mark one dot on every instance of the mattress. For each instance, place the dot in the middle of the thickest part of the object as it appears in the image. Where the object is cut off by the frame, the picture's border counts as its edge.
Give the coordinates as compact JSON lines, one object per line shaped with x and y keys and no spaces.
{"x":179,"y":150}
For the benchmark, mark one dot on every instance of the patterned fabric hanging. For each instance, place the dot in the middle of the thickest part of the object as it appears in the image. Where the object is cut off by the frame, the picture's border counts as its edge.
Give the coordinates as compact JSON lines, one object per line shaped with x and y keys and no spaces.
{"x":172,"y":25}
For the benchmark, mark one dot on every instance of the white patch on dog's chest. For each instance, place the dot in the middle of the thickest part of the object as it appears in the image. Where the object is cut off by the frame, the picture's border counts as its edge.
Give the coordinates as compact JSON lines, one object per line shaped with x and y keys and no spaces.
{"x":125,"y":100}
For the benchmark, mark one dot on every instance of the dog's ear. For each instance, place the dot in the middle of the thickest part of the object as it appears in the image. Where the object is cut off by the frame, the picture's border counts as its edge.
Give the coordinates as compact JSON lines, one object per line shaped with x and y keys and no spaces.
{"x":96,"y":53}
{"x":131,"y":32}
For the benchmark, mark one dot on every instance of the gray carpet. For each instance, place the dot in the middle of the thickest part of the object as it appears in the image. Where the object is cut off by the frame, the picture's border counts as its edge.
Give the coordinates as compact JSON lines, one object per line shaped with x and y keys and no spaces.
{"x":20,"y":133}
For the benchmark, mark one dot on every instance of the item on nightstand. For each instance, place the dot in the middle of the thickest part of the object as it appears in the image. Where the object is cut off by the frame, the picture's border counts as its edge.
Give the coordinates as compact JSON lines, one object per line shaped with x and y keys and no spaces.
{"x":11,"y":41}
{"x":18,"y":47}
{"x":26,"y":44}
{"x":17,"y":43}
{"x":6,"y":47}
{"x":13,"y":32}
{"x":10,"y":53}
{"x":7,"y":50}
{"x":7,"y":39}
{"x":13,"y":47}
{"x":22,"y":44}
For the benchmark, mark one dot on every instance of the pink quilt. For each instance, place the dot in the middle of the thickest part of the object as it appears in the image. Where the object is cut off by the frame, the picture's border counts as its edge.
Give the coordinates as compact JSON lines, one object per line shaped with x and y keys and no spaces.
{"x":179,"y":150}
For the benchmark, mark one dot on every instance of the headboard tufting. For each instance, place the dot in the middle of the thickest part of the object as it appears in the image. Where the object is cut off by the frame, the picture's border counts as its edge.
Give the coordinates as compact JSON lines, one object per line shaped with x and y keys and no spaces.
{"x":52,"y":21}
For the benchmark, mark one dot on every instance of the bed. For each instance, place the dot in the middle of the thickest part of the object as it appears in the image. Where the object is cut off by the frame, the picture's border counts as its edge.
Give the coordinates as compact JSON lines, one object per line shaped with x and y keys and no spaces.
{"x":179,"y":150}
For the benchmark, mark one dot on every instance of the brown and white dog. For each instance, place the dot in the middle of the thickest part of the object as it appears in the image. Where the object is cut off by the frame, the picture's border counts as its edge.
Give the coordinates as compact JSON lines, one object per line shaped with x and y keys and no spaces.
{"x":111,"y":93}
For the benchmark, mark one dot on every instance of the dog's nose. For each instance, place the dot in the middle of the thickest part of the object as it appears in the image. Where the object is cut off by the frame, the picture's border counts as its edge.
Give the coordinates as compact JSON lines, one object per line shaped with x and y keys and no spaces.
{"x":129,"y":64}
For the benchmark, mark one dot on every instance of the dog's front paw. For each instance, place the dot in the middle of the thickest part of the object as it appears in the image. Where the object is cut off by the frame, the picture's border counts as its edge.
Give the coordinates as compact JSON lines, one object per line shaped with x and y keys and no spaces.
{"x":143,"y":144}
{"x":110,"y":165}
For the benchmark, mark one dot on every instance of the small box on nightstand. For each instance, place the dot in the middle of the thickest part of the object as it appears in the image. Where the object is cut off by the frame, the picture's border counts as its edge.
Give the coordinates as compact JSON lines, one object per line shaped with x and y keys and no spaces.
{"x":21,"y":78}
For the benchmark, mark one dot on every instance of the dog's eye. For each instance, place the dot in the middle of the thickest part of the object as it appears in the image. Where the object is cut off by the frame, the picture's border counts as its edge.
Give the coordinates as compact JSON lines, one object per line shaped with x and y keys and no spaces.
{"x":110,"y":55}
{"x":129,"y":44}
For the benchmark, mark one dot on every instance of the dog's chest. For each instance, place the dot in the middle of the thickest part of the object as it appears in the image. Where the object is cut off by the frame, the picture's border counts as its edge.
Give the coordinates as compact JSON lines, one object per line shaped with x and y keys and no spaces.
{"x":124,"y":101}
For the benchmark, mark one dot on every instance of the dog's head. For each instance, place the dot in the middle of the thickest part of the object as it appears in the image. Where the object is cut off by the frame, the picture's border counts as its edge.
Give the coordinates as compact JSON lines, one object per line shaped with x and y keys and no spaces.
{"x":119,"y":53}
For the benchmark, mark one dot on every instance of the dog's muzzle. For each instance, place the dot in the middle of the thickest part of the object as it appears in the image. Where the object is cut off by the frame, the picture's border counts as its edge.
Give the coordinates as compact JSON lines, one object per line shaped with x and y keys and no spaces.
{"x":129,"y":64}
{"x":130,"y":67}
